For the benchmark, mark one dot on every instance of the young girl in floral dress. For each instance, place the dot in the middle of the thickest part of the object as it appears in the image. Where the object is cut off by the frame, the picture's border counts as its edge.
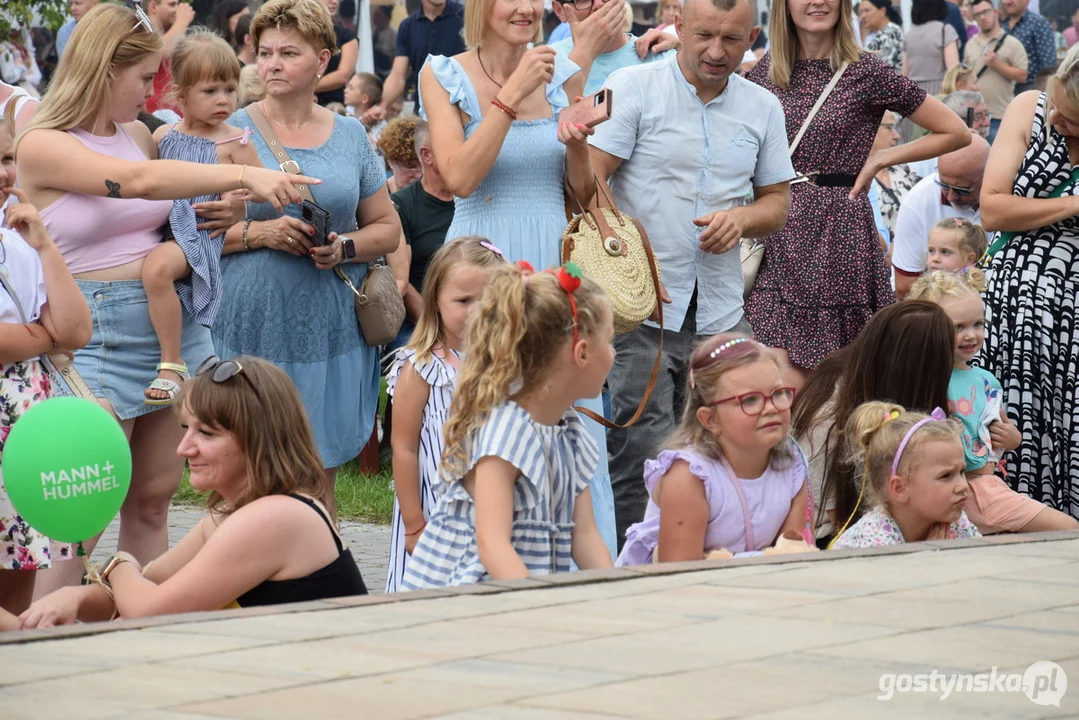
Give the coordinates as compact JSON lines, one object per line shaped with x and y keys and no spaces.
{"x":41,"y":308}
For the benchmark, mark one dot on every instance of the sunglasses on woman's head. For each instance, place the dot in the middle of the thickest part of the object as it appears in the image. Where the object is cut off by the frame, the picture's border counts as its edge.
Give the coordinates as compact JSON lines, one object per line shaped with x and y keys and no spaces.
{"x":143,"y":19}
{"x":221,"y":371}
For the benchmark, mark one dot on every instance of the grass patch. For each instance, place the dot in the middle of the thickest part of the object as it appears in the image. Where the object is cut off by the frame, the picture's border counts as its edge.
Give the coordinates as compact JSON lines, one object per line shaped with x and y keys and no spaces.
{"x":366,"y":498}
{"x":360,"y":497}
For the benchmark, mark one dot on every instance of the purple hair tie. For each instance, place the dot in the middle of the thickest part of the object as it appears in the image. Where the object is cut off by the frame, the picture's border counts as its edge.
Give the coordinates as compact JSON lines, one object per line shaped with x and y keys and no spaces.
{"x":492,"y":248}
{"x":938,"y":414}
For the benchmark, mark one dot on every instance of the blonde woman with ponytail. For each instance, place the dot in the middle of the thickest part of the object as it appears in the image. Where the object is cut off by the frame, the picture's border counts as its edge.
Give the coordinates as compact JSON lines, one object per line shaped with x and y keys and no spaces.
{"x":90,"y":169}
{"x":1031,"y":194}
{"x":514,"y":497}
{"x":910,"y":472}
{"x":824,"y":273}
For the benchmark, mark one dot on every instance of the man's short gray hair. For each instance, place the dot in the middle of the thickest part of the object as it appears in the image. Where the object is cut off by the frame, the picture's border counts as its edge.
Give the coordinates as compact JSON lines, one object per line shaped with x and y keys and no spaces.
{"x":421,"y":136}
{"x":728,"y":5}
{"x":962,"y":100}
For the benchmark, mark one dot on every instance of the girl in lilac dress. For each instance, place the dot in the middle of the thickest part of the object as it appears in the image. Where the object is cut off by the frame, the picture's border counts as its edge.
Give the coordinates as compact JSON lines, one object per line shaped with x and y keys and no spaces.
{"x":731,"y":478}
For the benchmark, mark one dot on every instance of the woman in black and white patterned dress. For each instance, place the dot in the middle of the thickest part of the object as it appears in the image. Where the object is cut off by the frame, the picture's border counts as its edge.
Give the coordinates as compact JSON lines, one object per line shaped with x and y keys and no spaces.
{"x":1031,"y":188}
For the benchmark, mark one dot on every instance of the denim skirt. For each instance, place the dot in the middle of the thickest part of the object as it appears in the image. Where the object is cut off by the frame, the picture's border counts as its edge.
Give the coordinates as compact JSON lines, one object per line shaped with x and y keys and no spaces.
{"x":118,"y":363}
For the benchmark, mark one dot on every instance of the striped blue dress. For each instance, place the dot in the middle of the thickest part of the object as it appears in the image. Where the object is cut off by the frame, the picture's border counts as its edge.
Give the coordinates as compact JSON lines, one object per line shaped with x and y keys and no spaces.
{"x":555,"y":464}
{"x":441,"y":377}
{"x":200,"y":292}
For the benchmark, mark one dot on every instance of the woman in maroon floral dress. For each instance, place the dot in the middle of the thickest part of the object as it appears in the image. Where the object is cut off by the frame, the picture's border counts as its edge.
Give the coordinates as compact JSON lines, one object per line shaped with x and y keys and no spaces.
{"x":824,"y":273}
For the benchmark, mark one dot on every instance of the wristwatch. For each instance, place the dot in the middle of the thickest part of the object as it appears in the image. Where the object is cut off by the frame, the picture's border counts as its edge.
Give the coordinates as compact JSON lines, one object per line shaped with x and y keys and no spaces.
{"x":115,"y":561}
{"x":348,"y":248}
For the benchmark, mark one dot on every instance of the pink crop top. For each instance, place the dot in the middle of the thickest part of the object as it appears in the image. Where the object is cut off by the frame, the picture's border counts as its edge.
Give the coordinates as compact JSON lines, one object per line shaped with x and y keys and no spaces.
{"x":96,"y":233}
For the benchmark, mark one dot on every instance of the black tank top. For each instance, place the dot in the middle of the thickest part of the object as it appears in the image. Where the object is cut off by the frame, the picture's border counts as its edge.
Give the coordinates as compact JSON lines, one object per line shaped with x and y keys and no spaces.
{"x":340,"y":578}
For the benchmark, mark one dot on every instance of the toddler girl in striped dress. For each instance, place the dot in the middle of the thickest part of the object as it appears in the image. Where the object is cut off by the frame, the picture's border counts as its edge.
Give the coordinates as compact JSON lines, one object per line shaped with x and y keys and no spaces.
{"x":514,"y":498}
{"x":421,"y":383}
{"x":205,"y":75}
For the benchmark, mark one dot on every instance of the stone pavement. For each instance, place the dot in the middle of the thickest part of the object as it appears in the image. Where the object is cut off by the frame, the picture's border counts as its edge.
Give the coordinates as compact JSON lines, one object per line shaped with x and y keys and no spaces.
{"x":792,"y":637}
{"x":370,"y":544}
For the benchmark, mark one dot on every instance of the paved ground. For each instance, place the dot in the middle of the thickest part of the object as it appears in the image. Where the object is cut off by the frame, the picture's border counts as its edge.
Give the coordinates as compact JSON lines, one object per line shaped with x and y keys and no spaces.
{"x":370,"y":544}
{"x":825,"y":638}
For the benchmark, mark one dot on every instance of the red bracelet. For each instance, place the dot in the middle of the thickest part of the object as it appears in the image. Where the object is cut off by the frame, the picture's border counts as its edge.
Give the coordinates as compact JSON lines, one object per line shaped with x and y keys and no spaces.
{"x":504,"y":108}
{"x":416,"y":532}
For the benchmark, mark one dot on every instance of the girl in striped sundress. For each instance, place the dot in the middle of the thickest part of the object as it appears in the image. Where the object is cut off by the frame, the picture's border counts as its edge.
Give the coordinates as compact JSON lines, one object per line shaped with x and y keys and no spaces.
{"x":514,"y":498}
{"x":205,"y":75}
{"x":421,"y":383}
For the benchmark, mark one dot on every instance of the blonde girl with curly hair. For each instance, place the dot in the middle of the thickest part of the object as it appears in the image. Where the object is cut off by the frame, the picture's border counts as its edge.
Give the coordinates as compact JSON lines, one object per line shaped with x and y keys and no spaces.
{"x":515,"y":498}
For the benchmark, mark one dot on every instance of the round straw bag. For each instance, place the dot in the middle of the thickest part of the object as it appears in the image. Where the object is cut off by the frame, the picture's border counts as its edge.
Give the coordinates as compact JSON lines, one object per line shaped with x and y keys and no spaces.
{"x":612,"y":250}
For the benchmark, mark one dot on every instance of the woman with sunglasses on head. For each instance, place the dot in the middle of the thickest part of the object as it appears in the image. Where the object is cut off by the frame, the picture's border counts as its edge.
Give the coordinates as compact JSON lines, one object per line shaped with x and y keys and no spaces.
{"x":267,"y":538}
{"x":90,"y":169}
{"x":731,"y":479}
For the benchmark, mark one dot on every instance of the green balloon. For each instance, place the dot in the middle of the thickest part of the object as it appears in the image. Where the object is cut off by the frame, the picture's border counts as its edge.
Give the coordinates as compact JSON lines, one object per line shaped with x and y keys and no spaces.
{"x":67,"y":468}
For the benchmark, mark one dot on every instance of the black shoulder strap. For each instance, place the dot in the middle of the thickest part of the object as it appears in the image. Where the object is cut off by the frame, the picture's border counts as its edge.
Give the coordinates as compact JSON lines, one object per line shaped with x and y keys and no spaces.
{"x":314,"y":506}
{"x":996,"y":49}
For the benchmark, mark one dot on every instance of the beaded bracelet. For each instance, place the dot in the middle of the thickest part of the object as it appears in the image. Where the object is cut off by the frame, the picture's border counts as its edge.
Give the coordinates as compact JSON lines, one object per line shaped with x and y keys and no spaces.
{"x":247,"y":226}
{"x":504,"y":108}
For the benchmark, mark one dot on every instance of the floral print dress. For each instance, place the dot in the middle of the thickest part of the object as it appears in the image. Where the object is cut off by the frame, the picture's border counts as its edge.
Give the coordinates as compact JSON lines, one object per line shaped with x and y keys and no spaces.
{"x":22,"y":385}
{"x":877,"y":528}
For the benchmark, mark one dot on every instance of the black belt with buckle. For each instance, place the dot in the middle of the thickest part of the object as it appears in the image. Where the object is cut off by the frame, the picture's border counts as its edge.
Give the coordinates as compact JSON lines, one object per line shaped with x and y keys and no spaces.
{"x":828,"y":180}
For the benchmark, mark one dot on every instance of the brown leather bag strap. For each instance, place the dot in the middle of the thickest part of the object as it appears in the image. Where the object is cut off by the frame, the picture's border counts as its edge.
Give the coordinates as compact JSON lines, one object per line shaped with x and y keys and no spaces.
{"x":659,"y":354}
{"x":592,"y":215}
{"x":286,"y":163}
{"x":258,"y":119}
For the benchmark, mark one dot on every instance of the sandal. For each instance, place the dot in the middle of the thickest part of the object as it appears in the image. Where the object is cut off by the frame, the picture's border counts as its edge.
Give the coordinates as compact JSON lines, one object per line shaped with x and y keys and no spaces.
{"x":170,"y":387}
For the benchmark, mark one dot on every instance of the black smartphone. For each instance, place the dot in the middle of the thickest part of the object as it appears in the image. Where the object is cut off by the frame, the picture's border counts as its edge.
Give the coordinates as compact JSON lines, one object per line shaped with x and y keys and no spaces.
{"x":317,"y":217}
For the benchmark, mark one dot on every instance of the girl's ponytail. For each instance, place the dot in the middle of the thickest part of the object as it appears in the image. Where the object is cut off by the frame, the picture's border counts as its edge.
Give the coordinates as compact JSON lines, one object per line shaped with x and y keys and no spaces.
{"x":521,"y":323}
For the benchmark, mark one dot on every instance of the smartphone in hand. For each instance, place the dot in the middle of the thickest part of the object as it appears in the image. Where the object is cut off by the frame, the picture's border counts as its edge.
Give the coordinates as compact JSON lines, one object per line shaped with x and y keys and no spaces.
{"x":589,"y":111}
{"x":319,"y":218}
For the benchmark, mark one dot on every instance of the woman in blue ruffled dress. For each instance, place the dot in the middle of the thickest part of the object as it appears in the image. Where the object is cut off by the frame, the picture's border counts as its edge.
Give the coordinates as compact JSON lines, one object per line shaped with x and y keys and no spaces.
{"x":493,"y":115}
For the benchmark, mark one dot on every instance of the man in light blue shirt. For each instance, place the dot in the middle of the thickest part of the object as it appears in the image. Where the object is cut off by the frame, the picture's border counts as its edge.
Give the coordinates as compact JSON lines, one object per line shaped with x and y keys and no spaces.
{"x":78,"y":9}
{"x":699,"y":156}
{"x":620,"y":53}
